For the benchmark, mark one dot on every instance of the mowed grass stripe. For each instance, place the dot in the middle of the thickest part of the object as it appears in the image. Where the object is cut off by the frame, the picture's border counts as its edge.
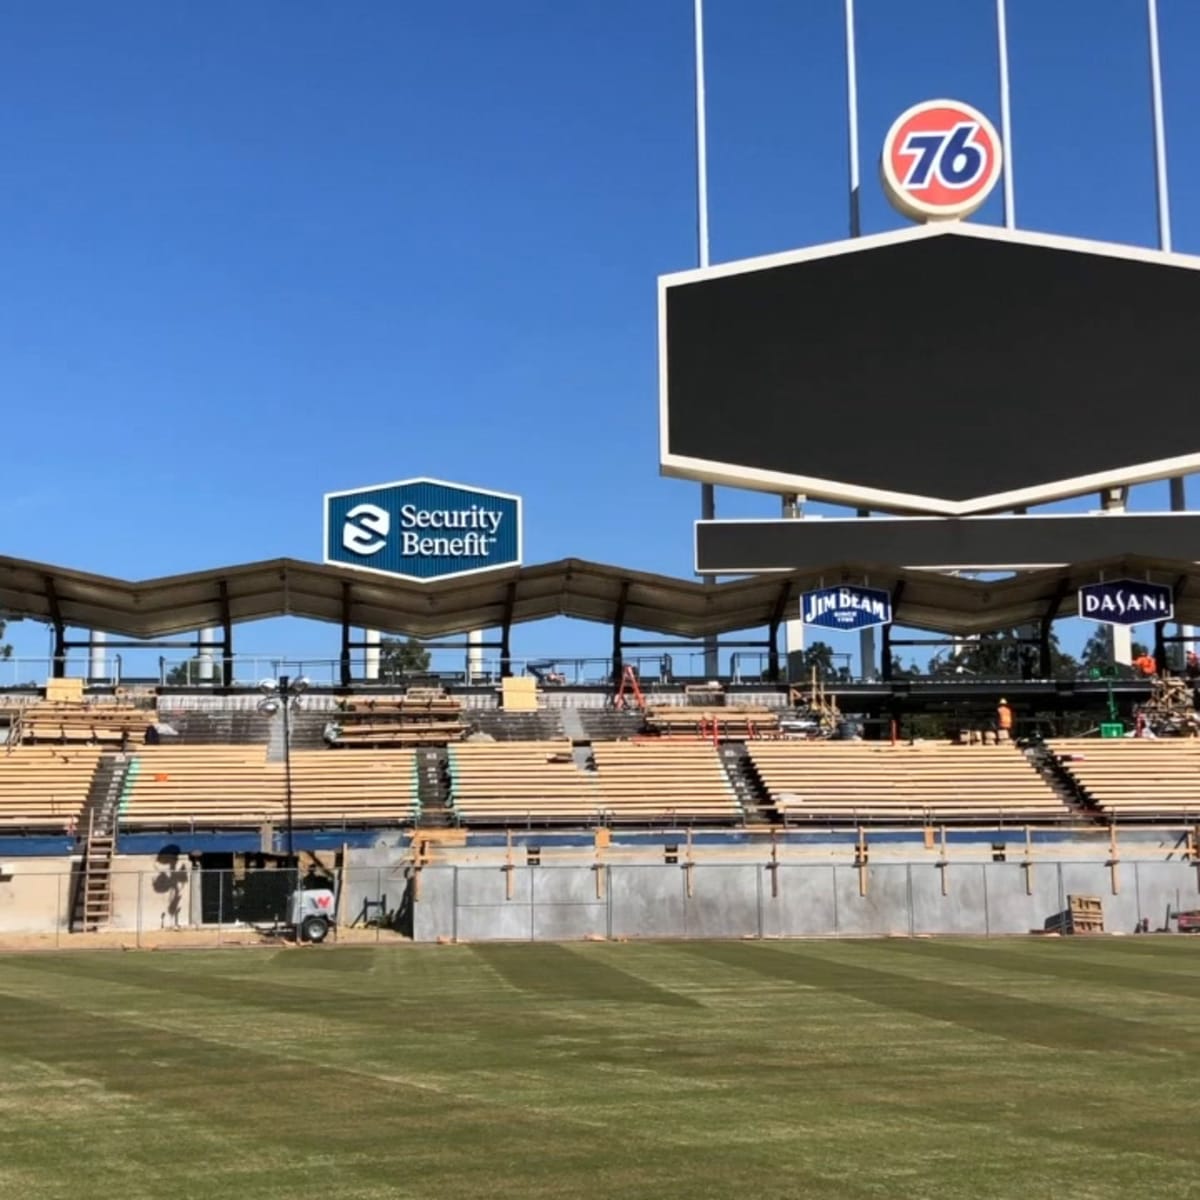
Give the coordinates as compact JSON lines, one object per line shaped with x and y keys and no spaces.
{"x":1061,"y":964}
{"x":385,"y":1137}
{"x":559,"y":972}
{"x":469,"y":1084}
{"x":996,"y":1015}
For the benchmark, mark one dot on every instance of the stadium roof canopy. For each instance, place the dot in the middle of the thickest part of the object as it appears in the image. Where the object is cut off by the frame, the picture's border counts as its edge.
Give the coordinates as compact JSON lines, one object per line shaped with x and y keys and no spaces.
{"x":684,"y":608}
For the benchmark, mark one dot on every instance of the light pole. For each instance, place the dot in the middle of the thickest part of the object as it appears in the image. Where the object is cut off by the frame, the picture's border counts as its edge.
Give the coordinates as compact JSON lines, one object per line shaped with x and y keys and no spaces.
{"x":283,"y":694}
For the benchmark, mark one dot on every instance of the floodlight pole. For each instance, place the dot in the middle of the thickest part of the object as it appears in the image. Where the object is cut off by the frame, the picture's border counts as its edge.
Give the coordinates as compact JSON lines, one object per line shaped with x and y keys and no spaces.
{"x":1163,"y":197}
{"x":1010,"y":212}
{"x":866,"y":637}
{"x":852,"y":121}
{"x":708,"y":495}
{"x":285,"y":699}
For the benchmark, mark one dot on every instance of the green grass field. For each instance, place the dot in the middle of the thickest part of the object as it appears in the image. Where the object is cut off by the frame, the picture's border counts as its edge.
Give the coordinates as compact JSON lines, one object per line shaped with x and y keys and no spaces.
{"x":1056,"y":1069}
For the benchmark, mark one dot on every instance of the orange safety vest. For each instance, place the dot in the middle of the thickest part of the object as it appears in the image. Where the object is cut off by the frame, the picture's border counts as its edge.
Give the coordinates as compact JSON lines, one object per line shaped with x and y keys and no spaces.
{"x":1004,"y":716}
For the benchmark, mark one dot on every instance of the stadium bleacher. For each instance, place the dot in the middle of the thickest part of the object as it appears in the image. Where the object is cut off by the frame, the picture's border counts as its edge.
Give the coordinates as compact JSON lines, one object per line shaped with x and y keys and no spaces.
{"x":45,"y":787}
{"x":494,"y":783}
{"x":1135,"y":777}
{"x":657,"y":779}
{"x":99,"y":722}
{"x":420,"y":717}
{"x":853,"y":781}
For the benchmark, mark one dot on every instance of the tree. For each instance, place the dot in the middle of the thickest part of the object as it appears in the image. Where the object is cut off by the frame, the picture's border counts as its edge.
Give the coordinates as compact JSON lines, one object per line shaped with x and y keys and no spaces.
{"x":1001,"y":656}
{"x":818,"y":657}
{"x":5,"y":650}
{"x":399,"y":659}
{"x":1098,"y":649}
{"x":187,"y":674}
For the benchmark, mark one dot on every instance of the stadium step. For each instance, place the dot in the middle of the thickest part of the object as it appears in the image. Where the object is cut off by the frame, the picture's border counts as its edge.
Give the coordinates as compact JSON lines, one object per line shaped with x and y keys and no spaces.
{"x":543,"y":726}
{"x":747,"y":786}
{"x":433,"y":788}
{"x":1069,"y":790}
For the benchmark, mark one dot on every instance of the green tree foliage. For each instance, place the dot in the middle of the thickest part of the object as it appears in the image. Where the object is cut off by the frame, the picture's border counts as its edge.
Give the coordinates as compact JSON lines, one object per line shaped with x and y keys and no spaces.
{"x":399,"y":659}
{"x":819,"y":657}
{"x":5,"y":649}
{"x":187,"y":674}
{"x":1098,"y":649}
{"x":1001,"y":656}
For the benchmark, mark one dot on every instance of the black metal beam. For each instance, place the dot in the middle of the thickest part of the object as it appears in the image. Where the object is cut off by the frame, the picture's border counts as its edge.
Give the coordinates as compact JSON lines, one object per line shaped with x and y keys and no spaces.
{"x":510,"y":604}
{"x":777,"y":615}
{"x":226,"y":635}
{"x":58,"y":668}
{"x":618,"y":658}
{"x":885,"y":652}
{"x":345,"y":672}
{"x":1046,"y":624}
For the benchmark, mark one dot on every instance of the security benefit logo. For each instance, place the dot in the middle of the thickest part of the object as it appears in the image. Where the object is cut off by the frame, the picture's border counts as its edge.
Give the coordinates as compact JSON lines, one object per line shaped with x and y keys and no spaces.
{"x":423,"y":529}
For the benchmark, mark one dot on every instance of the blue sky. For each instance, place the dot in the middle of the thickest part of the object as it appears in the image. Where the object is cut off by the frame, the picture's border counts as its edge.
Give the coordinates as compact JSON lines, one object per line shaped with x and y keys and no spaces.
{"x":255,"y":252}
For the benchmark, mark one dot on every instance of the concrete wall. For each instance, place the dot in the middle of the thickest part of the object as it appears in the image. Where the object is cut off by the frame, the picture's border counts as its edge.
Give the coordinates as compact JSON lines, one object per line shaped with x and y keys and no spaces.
{"x":35,"y":895}
{"x":711,"y":899}
{"x":743,"y":900}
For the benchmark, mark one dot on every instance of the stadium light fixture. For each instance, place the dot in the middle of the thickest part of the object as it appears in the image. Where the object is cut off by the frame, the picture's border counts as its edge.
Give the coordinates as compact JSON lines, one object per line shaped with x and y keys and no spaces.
{"x":282,"y":695}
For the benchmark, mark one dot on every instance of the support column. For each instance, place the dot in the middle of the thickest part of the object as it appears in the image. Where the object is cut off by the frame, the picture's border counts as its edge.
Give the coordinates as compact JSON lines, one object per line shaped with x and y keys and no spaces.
{"x":371,"y":670}
{"x":712,"y":645}
{"x":1179,"y":649}
{"x":204,"y":659}
{"x":793,"y":629}
{"x":474,"y":655}
{"x":866,"y":637}
{"x":1112,"y":500}
{"x":226,"y":637}
{"x":96,"y":655}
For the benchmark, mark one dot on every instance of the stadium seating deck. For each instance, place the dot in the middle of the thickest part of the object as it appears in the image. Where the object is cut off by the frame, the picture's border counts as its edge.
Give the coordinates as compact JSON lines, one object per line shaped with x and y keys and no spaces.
{"x":1136,"y":777}
{"x":86,"y":722}
{"x":201,"y":785}
{"x":498,"y":782}
{"x":847,"y":781}
{"x":375,"y":787}
{"x":635,"y":782}
{"x":236,"y":785}
{"x":45,"y":787}
{"x":658,"y":778}
{"x":735,"y":721}
{"x":421,"y":717}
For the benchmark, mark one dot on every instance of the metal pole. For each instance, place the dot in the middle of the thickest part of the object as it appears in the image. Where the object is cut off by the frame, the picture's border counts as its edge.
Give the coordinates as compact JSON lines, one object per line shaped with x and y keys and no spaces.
{"x":1160,"y":137}
{"x":1010,"y":212}
{"x":701,"y":143}
{"x":852,"y":119}
{"x":1163,"y":197}
{"x":708,"y":494}
{"x":285,"y":696}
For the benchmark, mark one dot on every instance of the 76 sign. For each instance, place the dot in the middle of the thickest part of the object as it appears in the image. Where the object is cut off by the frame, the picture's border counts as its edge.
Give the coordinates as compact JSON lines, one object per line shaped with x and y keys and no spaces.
{"x":940,"y":160}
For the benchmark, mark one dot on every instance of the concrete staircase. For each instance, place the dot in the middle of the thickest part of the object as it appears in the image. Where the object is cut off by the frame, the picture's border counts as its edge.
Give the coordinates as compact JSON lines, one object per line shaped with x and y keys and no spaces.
{"x":1043,"y":760}
{"x":543,"y":726}
{"x":433,"y":788}
{"x":747,"y":786}
{"x":603,"y":725}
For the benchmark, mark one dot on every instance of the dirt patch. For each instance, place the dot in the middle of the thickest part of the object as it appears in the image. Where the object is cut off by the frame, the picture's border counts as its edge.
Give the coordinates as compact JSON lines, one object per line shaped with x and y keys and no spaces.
{"x":178,"y":939}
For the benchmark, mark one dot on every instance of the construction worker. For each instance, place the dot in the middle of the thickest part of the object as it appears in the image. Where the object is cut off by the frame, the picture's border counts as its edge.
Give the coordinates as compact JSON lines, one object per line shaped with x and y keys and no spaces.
{"x":1004,"y":721}
{"x":1144,"y":664}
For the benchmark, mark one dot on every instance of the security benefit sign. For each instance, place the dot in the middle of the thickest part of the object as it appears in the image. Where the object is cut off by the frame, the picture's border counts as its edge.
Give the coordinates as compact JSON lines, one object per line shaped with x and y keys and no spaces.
{"x":846,"y":607}
{"x":423,"y":529}
{"x":1126,"y":602}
